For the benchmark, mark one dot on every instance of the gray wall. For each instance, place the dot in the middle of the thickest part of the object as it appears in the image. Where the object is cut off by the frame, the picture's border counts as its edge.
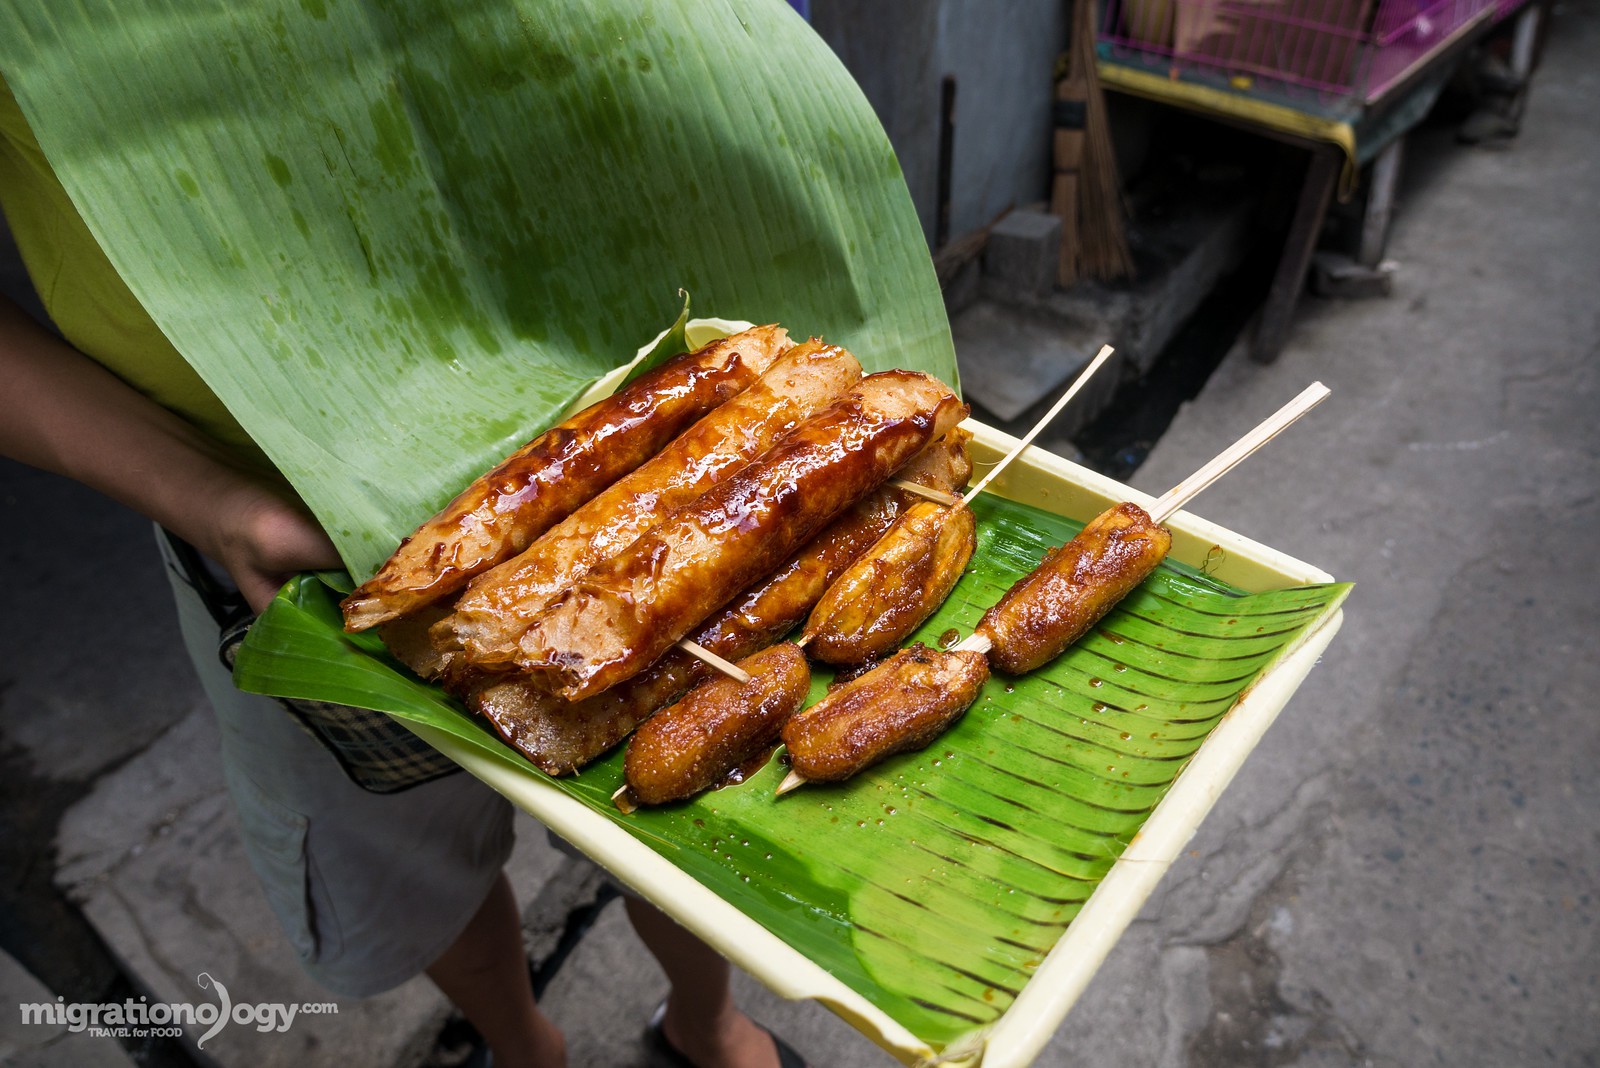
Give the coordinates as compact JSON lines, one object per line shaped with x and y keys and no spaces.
{"x":1002,"y":54}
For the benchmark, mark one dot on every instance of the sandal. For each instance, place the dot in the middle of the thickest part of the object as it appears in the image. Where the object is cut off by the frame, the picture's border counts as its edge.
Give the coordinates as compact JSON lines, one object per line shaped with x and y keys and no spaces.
{"x":663,"y":1054}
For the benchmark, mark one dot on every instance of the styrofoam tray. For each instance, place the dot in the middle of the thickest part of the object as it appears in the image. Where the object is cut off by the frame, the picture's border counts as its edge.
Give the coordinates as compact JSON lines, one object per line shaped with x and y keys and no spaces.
{"x":1051,"y":483}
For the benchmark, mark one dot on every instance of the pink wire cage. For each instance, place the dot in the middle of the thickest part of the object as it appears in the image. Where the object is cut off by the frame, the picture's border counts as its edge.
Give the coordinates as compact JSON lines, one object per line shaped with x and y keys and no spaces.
{"x":1340,"y":50}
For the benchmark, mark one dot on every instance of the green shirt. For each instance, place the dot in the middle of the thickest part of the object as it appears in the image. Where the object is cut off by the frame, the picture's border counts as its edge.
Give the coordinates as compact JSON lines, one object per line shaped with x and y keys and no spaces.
{"x":87,"y":299}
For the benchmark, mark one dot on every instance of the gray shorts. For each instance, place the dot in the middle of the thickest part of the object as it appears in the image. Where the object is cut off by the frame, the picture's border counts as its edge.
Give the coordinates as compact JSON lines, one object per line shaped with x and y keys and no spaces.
{"x":370,"y":888}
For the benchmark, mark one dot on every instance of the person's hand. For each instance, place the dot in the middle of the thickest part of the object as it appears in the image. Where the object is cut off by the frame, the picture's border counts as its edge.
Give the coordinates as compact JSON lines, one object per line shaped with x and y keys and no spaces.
{"x":62,"y":412}
{"x":262,"y":540}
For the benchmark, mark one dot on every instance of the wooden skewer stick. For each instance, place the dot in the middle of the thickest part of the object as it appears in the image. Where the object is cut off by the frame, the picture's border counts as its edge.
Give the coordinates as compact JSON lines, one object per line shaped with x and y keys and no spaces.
{"x":952,"y":499}
{"x":946,"y":499}
{"x":623,"y":799}
{"x":973,"y":643}
{"x":1055,"y":409}
{"x":701,"y":653}
{"x":1225,"y":461}
{"x":792,"y":781}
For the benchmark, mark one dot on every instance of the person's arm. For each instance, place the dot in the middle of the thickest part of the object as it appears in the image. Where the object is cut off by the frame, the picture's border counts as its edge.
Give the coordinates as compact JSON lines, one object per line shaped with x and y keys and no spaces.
{"x":63,"y":412}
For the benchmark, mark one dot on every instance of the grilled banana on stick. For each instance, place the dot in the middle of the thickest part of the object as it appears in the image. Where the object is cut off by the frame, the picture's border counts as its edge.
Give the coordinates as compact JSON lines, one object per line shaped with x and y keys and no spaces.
{"x":1072,"y":588}
{"x":896,"y":585}
{"x":904,"y":703}
{"x":1077,"y":584}
{"x":717,"y":726}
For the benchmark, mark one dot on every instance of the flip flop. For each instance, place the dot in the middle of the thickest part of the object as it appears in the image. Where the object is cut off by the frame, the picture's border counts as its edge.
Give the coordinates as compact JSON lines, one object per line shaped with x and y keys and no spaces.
{"x":664,"y":1054}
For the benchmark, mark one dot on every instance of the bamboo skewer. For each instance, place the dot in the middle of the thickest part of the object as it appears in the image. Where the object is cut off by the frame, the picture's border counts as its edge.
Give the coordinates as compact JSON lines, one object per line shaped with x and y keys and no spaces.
{"x":946,"y":499}
{"x":1225,"y":461}
{"x":973,"y":643}
{"x":701,"y":653}
{"x":952,"y":499}
{"x":1055,"y":409}
{"x":1167,"y":505}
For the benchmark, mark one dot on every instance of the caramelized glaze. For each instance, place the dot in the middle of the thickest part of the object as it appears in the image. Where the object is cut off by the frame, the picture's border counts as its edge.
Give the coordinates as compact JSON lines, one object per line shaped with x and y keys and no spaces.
{"x":716,"y":727}
{"x":894,"y":586}
{"x":902,"y":704}
{"x":537,"y":486}
{"x":628,"y":610}
{"x":1073,"y":588}
{"x":498,"y":606}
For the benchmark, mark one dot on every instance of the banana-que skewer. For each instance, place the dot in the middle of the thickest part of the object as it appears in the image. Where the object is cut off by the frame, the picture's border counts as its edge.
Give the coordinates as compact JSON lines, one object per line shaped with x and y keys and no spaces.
{"x":899,"y":582}
{"x":911,"y":698}
{"x":923,"y":491}
{"x":673,"y":757}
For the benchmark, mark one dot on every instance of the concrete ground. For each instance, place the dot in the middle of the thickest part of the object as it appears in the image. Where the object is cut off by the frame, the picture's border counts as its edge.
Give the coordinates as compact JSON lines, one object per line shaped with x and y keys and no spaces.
{"x":32,"y":1045}
{"x":1405,"y":872}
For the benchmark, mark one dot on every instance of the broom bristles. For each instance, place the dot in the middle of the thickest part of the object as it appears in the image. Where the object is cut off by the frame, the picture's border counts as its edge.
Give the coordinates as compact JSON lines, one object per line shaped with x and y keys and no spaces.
{"x":1103,"y":242}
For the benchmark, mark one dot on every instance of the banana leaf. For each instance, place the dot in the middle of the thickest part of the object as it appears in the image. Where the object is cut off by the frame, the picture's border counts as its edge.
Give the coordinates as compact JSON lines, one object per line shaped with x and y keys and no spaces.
{"x":397,"y":237}
{"x":934,"y":885}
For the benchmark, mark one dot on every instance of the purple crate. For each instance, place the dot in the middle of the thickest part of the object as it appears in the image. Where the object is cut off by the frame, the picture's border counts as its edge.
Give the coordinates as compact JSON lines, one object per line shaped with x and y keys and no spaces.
{"x":1338,"y":49}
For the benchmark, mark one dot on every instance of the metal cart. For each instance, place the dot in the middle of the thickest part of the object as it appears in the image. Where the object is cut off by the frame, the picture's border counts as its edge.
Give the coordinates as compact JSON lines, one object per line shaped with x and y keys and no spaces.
{"x":1344,"y":80}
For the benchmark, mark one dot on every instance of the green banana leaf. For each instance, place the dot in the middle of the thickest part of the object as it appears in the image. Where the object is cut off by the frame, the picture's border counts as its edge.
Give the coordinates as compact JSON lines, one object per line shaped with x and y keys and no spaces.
{"x":398,"y":237}
{"x":935,"y":883}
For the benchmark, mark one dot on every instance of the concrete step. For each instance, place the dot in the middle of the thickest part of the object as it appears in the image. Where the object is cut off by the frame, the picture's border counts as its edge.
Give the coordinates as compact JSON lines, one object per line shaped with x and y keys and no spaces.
{"x":46,"y":1045}
{"x":1019,"y":342}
